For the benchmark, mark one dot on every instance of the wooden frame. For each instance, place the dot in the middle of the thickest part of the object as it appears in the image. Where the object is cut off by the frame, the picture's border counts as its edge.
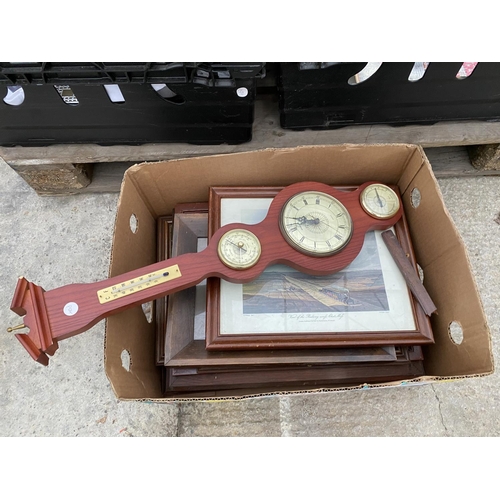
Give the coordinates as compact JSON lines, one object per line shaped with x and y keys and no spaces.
{"x":180,"y":318}
{"x":422,"y":334}
{"x":181,"y":349}
{"x":187,"y":379}
{"x":195,"y":355}
{"x":163,"y":251}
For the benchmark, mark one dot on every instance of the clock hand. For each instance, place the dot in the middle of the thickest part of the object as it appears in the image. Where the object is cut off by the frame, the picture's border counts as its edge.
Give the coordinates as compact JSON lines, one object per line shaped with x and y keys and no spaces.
{"x":317,"y":221}
{"x":378,"y":197}
{"x":304,"y":220}
{"x":314,"y":221}
{"x":301,"y":219}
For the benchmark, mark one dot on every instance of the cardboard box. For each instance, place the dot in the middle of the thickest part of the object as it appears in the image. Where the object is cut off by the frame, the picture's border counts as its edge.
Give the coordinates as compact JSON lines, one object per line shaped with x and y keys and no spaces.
{"x":153,"y":189}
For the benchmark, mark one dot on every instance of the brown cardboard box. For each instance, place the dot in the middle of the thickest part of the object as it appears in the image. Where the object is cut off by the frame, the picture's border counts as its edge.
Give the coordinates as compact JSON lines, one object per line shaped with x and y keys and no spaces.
{"x":152,"y":189}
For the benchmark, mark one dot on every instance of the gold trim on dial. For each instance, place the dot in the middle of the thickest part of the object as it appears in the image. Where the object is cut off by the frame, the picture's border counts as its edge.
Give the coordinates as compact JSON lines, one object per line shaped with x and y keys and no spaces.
{"x":316,"y":223}
{"x":239,"y":249}
{"x":379,"y":201}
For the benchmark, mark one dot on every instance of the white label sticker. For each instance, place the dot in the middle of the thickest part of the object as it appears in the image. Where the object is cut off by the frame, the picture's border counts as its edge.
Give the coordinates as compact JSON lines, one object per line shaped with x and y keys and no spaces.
{"x":70,"y":309}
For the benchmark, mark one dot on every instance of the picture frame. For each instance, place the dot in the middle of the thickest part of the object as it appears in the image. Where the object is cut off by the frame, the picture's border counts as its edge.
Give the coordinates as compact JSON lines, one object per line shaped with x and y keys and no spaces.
{"x":164,"y":227}
{"x":408,"y":365}
{"x":252,"y":316}
{"x":184,"y":341}
{"x":189,"y":235}
{"x":164,"y":250}
{"x":196,"y":355}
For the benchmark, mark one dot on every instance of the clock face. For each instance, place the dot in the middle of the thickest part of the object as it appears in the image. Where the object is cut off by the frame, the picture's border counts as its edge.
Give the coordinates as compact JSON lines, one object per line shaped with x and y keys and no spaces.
{"x":239,"y":249}
{"x":379,"y":201}
{"x":316,"y":223}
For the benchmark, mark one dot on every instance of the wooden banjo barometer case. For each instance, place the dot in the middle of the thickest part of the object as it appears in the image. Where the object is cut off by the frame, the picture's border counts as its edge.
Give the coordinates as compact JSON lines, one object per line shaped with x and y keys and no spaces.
{"x":311,"y":227}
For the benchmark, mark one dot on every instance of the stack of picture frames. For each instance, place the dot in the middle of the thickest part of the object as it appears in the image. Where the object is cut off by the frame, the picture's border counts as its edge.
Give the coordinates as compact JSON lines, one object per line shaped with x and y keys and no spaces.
{"x":286,"y":330}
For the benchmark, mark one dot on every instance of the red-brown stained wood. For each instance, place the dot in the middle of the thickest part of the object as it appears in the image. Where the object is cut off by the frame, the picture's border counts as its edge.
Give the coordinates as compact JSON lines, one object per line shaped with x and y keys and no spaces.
{"x":215,"y":341}
{"x":48,"y":308}
{"x":409,"y":273}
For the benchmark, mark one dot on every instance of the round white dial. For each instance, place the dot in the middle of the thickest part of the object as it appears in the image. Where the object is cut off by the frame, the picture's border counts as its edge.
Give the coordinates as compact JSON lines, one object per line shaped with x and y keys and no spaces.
{"x":379,"y":201}
{"x":316,"y":223}
{"x":239,"y":249}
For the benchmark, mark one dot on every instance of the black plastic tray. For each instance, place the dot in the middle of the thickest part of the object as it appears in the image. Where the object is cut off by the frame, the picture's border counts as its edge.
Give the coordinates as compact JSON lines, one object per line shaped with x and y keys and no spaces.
{"x":318,"y":95}
{"x":68,"y":103}
{"x":99,"y":73}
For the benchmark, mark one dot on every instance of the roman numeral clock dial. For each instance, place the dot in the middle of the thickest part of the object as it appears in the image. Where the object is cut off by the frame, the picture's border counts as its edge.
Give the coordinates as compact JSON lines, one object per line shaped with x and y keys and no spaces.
{"x":316,"y":223}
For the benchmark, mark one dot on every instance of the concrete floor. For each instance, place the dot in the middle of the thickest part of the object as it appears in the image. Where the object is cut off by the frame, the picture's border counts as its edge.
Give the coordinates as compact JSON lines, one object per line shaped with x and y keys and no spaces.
{"x":54,"y":241}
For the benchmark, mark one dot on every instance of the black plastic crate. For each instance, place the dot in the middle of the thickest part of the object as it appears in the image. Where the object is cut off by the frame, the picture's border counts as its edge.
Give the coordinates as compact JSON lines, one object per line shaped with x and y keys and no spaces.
{"x":330,"y":95}
{"x":127,"y":103}
{"x":100,"y":73}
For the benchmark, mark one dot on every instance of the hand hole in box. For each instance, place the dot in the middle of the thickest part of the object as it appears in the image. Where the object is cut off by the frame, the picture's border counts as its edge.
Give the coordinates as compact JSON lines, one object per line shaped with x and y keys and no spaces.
{"x":368,"y":71}
{"x":114,"y":93}
{"x":456,"y":332}
{"x":67,"y":95}
{"x":134,"y":223}
{"x":466,"y":70}
{"x":126,"y":359}
{"x":418,"y":71}
{"x":167,"y":94}
{"x":415,"y":198}
{"x":15,"y":95}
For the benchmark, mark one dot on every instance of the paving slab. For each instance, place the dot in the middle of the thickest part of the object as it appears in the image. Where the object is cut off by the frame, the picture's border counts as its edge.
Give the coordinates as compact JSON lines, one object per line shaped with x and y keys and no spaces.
{"x":248,"y":417}
{"x":398,"y":411}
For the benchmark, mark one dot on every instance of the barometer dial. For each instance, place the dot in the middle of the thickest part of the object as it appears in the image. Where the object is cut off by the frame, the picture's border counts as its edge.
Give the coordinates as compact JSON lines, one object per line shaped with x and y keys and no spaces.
{"x":239,"y":249}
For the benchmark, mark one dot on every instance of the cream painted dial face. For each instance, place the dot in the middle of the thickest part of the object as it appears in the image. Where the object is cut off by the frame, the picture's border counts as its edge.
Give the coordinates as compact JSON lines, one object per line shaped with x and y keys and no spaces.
{"x":379,"y":201}
{"x":239,"y":249}
{"x":316,"y":223}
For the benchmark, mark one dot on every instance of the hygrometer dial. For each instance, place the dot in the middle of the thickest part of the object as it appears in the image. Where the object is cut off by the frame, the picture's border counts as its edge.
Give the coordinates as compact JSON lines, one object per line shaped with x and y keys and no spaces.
{"x":379,"y":201}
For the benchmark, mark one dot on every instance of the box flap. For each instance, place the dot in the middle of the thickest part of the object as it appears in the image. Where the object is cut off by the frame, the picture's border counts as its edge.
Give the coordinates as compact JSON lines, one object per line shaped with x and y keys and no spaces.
{"x":164,"y":184}
{"x":442,"y":255}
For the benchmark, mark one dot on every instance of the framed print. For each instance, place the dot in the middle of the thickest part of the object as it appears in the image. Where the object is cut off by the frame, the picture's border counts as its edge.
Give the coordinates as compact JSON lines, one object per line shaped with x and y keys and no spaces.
{"x":183,"y":321}
{"x":188,"y":367}
{"x":367,"y":303}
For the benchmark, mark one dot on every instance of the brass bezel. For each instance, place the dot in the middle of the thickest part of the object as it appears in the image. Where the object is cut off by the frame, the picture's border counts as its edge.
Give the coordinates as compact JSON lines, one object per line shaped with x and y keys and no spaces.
{"x":227,"y":262}
{"x":370,"y":211}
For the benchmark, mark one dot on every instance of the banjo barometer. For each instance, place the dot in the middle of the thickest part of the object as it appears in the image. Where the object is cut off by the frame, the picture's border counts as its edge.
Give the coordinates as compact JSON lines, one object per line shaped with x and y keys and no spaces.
{"x":310,"y":226}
